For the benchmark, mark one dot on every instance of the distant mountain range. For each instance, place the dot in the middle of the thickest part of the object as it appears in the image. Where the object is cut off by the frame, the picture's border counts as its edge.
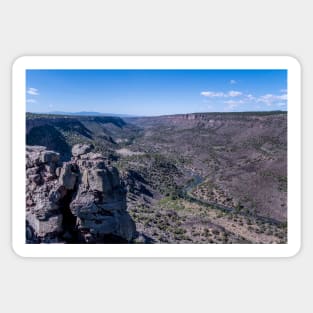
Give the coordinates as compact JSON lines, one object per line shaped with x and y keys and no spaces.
{"x":86,"y":113}
{"x":92,"y":113}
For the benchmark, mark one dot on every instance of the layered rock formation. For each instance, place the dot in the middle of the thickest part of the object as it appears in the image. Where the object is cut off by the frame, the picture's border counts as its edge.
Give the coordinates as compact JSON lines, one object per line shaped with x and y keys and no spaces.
{"x":80,"y":201}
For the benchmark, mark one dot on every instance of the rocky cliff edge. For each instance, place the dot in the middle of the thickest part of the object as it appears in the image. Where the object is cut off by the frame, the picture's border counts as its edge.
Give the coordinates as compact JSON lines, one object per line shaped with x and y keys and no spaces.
{"x":80,"y":201}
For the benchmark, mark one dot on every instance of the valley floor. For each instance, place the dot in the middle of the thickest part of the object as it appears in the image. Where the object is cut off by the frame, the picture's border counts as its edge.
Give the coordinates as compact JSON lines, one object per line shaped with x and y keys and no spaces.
{"x":188,"y":220}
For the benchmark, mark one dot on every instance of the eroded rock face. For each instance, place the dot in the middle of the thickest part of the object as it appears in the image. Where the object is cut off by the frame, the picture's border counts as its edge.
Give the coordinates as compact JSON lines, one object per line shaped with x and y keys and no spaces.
{"x":43,"y":217}
{"x":81,"y":201}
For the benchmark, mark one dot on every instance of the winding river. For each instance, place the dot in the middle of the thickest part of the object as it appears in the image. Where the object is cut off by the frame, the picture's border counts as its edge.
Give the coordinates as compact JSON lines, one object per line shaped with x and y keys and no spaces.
{"x":197,"y":180}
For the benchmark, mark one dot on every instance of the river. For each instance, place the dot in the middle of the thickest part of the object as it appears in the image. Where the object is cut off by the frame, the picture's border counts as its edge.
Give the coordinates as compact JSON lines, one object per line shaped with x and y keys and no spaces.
{"x":197,"y":180}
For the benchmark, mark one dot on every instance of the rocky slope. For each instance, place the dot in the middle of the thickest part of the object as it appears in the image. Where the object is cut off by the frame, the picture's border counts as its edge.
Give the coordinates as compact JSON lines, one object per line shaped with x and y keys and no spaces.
{"x":80,"y":201}
{"x":60,"y":132}
{"x":241,"y":158}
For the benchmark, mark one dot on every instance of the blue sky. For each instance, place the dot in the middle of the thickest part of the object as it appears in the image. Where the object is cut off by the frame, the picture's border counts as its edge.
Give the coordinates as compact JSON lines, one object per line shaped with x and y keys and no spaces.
{"x":156,"y":92}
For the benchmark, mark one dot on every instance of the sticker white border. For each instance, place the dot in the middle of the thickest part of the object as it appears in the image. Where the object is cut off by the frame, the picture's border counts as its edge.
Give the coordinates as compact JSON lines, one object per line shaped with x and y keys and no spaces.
{"x":156,"y":62}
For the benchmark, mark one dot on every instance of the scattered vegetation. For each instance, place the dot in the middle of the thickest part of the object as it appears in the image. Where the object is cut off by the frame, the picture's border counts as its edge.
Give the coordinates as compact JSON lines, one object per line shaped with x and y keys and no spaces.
{"x":198,"y":180}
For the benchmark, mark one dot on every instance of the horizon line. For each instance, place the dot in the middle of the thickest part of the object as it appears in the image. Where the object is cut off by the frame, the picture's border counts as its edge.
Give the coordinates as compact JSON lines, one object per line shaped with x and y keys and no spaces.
{"x":158,"y":115}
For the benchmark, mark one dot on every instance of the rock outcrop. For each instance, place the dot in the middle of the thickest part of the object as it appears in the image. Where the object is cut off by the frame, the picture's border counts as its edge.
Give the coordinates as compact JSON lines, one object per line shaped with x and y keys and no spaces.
{"x":80,"y":201}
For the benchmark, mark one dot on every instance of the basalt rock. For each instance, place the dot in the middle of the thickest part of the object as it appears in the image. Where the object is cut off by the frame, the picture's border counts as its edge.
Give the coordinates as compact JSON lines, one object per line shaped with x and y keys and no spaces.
{"x":43,"y":217}
{"x":80,"y":201}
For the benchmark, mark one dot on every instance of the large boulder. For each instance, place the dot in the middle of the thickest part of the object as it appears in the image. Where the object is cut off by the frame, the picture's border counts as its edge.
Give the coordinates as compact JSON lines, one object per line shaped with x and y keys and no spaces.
{"x":81,"y":149}
{"x":49,"y":156}
{"x":68,"y":176}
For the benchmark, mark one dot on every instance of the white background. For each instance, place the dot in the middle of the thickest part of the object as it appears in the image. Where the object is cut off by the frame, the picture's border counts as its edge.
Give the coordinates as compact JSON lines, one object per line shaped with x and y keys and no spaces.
{"x":160,"y":27}
{"x":143,"y":62}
